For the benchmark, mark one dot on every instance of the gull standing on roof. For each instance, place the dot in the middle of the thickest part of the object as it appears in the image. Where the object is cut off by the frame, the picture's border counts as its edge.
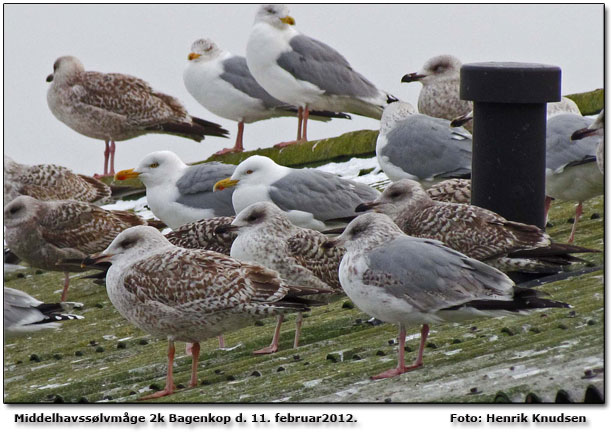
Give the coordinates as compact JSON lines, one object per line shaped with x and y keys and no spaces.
{"x":311,"y":198}
{"x":307,"y":73}
{"x":115,"y":107}
{"x":571,"y":172}
{"x":221,"y":82}
{"x":405,"y":280}
{"x":421,"y":147}
{"x":189,"y":295}
{"x":177,"y":193}
{"x":265,"y":236}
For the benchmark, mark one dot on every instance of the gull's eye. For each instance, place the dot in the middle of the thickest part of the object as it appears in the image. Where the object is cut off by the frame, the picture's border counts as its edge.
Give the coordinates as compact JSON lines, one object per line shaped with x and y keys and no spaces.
{"x":395,"y":194}
{"x":252,"y":218}
{"x":153,"y":165}
{"x":248,"y":172}
{"x":126,"y":244}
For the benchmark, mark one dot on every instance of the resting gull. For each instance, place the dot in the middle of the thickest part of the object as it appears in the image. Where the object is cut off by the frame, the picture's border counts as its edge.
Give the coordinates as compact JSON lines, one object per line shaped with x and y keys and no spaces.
{"x":476,"y":232}
{"x":312,"y":198}
{"x":190,"y":295}
{"x":307,"y":73}
{"x":407,"y":281}
{"x":454,"y":190}
{"x":571,"y":172}
{"x":51,"y":235}
{"x":23,"y":314}
{"x":222,"y":83}
{"x":421,"y":147}
{"x":266,"y":237}
{"x":50,"y":182}
{"x":115,"y":107}
{"x":596,"y":129}
{"x":179,"y":194}
{"x":202,"y":234}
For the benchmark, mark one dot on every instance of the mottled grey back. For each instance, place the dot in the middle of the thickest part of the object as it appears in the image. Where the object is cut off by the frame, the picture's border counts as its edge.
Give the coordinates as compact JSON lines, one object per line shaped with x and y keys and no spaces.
{"x":195,"y":188}
{"x":323,"y":194}
{"x":560,"y":149}
{"x":317,"y":63}
{"x":428,"y":147}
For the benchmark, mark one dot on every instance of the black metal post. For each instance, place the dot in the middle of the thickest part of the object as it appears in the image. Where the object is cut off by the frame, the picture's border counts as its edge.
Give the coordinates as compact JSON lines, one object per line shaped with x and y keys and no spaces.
{"x":509,"y":109}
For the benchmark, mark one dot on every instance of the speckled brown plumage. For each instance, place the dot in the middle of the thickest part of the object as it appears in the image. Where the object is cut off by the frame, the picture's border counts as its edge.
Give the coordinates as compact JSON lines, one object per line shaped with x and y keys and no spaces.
{"x":453,"y":190}
{"x":50,"y":182}
{"x":201,"y":235}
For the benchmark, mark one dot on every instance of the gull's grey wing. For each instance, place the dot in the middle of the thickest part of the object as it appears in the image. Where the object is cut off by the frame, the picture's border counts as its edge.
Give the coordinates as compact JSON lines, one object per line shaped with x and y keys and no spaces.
{"x":428,"y":147}
{"x":195,"y":188}
{"x":561,"y":151}
{"x":236,"y":73}
{"x":317,"y":63}
{"x":322,"y":194}
{"x":430,"y":276}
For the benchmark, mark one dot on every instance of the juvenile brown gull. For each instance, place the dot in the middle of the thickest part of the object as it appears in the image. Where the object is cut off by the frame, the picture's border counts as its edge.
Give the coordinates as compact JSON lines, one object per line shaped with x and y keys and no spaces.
{"x":178,"y":193}
{"x":451,"y":190}
{"x":49,"y":234}
{"x":307,"y":73}
{"x":267,"y":237}
{"x":596,"y":129}
{"x":476,"y":232}
{"x":405,"y":280}
{"x":115,"y":107}
{"x":202,"y":234}
{"x":571,"y":172}
{"x":190,"y":295}
{"x":421,"y":147}
{"x":23,"y":314}
{"x":50,"y":182}
{"x":311,"y":198}
{"x":222,"y":83}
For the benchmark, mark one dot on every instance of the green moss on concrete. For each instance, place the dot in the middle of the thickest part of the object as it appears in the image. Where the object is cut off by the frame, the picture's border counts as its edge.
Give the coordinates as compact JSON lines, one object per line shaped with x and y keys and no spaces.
{"x":589,"y":103}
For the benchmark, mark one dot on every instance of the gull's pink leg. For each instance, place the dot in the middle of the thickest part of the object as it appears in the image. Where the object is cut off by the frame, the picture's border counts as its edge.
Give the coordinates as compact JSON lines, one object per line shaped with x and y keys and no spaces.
{"x":274,"y":345}
{"x":300,"y":139}
{"x":401,"y":368}
{"x":239,"y":144}
{"x":112,"y":159}
{"x":578,"y":213}
{"x":221,"y":341}
{"x":106,"y":155}
{"x":195,"y":355}
{"x":306,"y":116}
{"x":169,"y":380}
{"x":66,"y":284}
{"x":298,"y":323}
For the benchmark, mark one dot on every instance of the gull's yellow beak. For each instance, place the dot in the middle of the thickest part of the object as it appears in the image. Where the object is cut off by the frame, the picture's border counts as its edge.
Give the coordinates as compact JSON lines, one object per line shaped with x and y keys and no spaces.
{"x":194,"y":56}
{"x":126,"y":174}
{"x":225,"y":183}
{"x":288,"y":20}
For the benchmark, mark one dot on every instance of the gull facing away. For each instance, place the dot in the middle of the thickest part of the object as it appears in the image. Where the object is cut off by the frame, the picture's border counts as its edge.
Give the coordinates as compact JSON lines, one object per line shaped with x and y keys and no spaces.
{"x":115,"y":107}
{"x":421,"y":147}
{"x":476,"y":232}
{"x":311,"y":198}
{"x":571,"y":172}
{"x":189,"y":295}
{"x":307,"y":73}
{"x":221,"y":82}
{"x":58,"y":235}
{"x":596,"y":129}
{"x":178,"y":193}
{"x":50,"y":182}
{"x":267,"y":237}
{"x":23,"y":314}
{"x":406,"y":280}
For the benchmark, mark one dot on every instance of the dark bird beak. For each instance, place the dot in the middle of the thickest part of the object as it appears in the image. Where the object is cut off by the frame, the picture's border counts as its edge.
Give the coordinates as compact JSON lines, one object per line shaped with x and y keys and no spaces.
{"x":582,"y":133}
{"x":94,"y":259}
{"x":49,"y":78}
{"x":223,"y":229}
{"x":366,"y":206}
{"x":414,"y":76}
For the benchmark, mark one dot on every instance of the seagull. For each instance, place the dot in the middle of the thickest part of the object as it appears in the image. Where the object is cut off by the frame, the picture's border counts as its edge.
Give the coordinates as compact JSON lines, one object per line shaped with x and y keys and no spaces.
{"x":476,"y":232}
{"x":571,"y":172}
{"x":177,"y":193}
{"x":202,"y":234}
{"x":52,"y":234}
{"x":407,"y":280}
{"x":454,"y":190}
{"x":115,"y":107}
{"x":221,"y":82}
{"x":23,"y":314}
{"x":421,"y":147}
{"x":596,"y":129}
{"x":307,"y":73}
{"x":50,"y":182}
{"x":311,"y":198}
{"x":265,"y":236}
{"x":189,"y":295}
